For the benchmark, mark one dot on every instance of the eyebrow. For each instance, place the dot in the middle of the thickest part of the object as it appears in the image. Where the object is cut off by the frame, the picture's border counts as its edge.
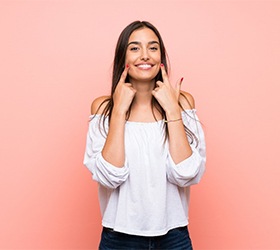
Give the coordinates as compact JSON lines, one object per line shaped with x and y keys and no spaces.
{"x":137,"y":43}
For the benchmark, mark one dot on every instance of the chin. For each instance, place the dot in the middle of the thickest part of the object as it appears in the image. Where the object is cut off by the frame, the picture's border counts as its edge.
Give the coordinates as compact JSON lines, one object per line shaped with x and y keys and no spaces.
{"x":143,"y":78}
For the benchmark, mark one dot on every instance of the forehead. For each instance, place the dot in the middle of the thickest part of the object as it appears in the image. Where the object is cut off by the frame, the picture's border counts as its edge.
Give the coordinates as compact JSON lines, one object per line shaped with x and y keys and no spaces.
{"x":143,"y":35}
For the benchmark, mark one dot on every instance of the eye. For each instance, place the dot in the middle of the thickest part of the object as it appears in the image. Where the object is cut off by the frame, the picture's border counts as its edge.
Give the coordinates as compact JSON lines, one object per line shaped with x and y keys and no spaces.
{"x":134,"y":48}
{"x":154,"y":48}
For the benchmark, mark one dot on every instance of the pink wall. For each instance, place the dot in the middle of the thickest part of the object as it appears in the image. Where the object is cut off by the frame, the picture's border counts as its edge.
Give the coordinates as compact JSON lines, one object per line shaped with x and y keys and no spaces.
{"x":56,"y":58}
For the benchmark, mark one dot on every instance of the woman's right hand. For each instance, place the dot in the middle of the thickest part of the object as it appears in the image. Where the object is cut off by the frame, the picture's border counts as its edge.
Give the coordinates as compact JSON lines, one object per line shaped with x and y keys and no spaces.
{"x":124,"y":94}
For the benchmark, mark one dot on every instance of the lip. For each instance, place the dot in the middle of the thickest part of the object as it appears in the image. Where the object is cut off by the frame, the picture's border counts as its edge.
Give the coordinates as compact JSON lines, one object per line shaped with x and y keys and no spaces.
{"x":144,"y":66}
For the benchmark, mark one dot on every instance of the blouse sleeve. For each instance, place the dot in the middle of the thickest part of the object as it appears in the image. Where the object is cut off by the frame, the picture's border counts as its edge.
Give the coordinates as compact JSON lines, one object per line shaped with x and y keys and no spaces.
{"x":190,"y":170}
{"x":102,"y":171}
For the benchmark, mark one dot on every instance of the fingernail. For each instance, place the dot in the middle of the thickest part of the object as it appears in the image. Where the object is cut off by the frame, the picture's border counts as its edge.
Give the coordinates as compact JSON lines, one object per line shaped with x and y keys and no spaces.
{"x":182,"y":79}
{"x":127,"y":66}
{"x":161,"y":64}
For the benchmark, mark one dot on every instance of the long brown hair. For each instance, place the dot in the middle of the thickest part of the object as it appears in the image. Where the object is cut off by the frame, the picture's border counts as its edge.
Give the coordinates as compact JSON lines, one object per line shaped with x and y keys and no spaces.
{"x":119,"y":65}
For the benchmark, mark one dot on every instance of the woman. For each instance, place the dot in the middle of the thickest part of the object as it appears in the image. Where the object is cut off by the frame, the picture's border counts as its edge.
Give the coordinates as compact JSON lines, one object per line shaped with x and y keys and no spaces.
{"x":145,"y":148}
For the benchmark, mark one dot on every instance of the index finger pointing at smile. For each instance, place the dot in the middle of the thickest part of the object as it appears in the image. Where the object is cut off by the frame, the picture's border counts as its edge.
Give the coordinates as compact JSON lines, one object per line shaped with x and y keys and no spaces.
{"x":163,"y":73}
{"x":124,"y":74}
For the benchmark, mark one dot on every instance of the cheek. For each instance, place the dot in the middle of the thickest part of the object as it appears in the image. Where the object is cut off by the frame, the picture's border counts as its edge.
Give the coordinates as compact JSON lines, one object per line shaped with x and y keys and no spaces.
{"x":157,"y":58}
{"x":158,"y":69}
{"x":130,"y":57}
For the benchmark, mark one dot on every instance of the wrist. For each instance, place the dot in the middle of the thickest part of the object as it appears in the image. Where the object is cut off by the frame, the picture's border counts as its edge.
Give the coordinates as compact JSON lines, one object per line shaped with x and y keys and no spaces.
{"x":120,"y":114}
{"x":173,"y":114}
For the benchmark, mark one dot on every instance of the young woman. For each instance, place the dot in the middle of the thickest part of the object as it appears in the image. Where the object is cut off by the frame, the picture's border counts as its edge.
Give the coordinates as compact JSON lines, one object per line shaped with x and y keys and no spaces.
{"x":145,"y":148}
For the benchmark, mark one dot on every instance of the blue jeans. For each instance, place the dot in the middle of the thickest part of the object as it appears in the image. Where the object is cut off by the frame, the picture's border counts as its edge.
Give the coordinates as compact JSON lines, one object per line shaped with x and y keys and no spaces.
{"x":175,"y":239}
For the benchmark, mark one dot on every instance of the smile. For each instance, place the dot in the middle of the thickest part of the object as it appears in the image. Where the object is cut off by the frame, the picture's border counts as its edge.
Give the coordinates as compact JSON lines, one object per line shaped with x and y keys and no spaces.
{"x":144,"y":66}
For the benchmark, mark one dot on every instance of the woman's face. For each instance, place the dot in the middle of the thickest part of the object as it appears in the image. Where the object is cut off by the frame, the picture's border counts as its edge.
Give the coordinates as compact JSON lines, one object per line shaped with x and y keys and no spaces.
{"x":143,"y":55}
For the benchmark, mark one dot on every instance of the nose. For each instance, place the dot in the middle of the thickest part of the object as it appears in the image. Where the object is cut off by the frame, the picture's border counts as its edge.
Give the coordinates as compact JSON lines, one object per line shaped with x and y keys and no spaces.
{"x":145,"y":55}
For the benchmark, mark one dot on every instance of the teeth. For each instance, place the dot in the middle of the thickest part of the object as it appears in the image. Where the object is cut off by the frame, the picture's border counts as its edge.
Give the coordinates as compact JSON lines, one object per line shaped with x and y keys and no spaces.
{"x":145,"y":66}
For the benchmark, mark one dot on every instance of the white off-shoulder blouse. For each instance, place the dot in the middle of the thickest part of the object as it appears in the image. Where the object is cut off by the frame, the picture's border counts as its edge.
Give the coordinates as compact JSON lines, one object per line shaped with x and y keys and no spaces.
{"x":149,"y":195}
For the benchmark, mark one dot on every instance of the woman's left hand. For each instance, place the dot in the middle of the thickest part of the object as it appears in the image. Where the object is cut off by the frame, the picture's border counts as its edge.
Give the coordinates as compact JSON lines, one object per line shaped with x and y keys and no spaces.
{"x":166,"y":94}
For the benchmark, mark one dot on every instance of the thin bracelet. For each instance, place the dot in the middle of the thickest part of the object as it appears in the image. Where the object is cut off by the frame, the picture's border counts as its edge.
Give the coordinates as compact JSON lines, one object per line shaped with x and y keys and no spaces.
{"x":173,"y":120}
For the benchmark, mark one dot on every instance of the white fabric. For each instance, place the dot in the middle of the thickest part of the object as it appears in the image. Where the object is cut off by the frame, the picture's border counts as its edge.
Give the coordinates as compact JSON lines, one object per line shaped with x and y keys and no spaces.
{"x":149,"y":195}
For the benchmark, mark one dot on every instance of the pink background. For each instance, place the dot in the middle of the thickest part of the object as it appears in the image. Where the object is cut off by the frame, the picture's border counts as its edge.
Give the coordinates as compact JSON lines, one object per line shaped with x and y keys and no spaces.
{"x":56,"y":57}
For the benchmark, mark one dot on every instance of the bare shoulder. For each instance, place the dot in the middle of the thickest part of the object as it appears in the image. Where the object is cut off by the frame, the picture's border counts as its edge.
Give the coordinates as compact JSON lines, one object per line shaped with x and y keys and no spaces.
{"x":187,"y":100}
{"x":99,"y":104}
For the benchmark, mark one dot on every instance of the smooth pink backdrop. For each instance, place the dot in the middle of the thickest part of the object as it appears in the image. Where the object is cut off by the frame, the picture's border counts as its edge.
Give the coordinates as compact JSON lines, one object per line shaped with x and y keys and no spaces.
{"x":56,"y":57}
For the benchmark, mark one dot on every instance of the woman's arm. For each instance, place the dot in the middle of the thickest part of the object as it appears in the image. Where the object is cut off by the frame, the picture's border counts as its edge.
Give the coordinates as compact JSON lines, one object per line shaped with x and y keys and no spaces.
{"x":185,"y":163}
{"x":102,"y":171}
{"x":179,"y":146}
{"x":189,"y":171}
{"x":113,"y":150}
{"x":169,"y":97}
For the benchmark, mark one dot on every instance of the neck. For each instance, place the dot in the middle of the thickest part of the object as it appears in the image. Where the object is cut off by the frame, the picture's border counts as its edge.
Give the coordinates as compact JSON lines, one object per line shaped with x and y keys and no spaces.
{"x":143,"y":95}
